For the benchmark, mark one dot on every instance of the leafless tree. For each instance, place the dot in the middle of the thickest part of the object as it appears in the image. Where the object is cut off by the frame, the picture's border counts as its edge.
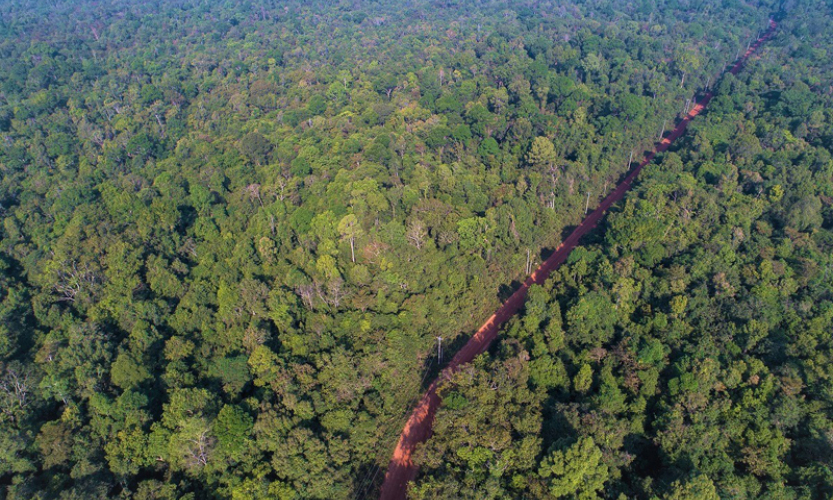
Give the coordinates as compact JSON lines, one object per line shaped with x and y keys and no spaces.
{"x":416,"y":233}
{"x":254,"y":193}
{"x":161,"y":125}
{"x":320,"y":292}
{"x":336,"y":292}
{"x":197,"y":448}
{"x":282,"y":184}
{"x":254,"y":337}
{"x":74,"y":279}
{"x":555,"y":174}
{"x":189,"y":246}
{"x":307,"y":294}
{"x":15,"y":389}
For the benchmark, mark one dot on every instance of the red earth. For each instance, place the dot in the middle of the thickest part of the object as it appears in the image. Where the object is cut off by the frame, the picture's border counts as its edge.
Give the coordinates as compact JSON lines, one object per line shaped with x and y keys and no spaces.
{"x":418,"y":428}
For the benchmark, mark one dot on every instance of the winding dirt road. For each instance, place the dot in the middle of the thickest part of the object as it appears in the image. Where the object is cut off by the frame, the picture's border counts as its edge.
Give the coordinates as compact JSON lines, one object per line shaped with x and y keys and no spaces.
{"x":418,"y":428}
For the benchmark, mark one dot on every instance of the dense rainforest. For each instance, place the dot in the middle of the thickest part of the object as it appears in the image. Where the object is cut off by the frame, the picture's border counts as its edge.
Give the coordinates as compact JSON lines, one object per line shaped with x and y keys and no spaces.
{"x":232,"y":232}
{"x":686,"y":351}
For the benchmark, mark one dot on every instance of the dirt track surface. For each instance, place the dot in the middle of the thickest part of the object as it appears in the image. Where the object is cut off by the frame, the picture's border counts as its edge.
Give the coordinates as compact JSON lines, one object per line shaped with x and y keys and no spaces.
{"x":418,"y":428}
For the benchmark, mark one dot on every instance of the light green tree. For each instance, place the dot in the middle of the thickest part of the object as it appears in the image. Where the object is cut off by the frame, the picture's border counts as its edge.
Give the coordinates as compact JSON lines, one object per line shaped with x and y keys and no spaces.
{"x":577,"y":472}
{"x":699,"y":488}
{"x":541,"y":153}
{"x":542,"y":157}
{"x":583,"y":379}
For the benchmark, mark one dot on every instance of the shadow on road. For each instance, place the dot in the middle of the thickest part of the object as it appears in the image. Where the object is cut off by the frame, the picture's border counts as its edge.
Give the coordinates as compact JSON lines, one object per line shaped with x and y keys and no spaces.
{"x":505,"y":291}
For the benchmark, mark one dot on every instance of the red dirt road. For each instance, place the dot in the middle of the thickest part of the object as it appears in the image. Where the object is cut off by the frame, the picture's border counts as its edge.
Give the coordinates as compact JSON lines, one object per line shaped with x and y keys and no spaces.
{"x":418,"y":428}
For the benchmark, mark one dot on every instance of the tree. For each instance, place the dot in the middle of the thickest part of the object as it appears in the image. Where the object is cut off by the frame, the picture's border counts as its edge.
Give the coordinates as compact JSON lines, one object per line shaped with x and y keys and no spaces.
{"x":472,"y":231}
{"x":542,"y":157}
{"x":256,"y":147}
{"x":579,"y":471}
{"x":698,"y":488}
{"x":416,"y":233}
{"x":350,"y":230}
{"x":541,"y":153}
{"x":232,"y":427}
{"x":127,"y":371}
{"x":583,"y":379}
{"x":194,"y":443}
{"x":55,"y":442}
{"x":176,"y":319}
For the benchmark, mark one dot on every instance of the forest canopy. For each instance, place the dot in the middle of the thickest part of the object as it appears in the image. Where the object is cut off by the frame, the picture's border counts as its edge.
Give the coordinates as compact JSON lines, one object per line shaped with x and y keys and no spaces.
{"x":232,"y":232}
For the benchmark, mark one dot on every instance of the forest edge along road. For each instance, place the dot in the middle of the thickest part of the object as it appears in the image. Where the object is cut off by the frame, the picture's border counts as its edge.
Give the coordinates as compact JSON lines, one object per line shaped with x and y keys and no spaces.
{"x":418,"y":428}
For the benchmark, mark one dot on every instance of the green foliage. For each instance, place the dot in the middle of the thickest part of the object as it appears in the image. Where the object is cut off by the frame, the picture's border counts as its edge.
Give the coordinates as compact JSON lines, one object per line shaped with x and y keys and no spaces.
{"x":583,"y":379}
{"x":541,"y":153}
{"x":577,"y":472}
{"x":683,"y":354}
{"x":231,"y":232}
{"x":233,"y":427}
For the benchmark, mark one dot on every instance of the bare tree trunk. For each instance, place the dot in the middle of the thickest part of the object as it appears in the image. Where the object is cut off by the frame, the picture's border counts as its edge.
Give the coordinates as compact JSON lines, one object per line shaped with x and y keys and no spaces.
{"x":161,"y":126}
